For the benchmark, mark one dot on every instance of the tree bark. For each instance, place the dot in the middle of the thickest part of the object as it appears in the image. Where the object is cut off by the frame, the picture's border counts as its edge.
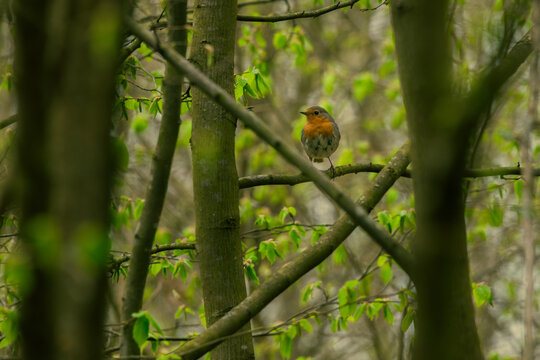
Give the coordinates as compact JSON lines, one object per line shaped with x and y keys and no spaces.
{"x":157,"y":189}
{"x":528,"y":207}
{"x":66,"y":59}
{"x":215,"y":180}
{"x":445,"y":325}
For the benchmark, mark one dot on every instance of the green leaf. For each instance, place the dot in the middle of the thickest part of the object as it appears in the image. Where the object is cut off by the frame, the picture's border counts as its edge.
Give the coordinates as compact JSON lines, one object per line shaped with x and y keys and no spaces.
{"x":292,"y":211}
{"x":285,"y":345}
{"x":295,"y":237}
{"x":283,"y":214}
{"x":495,"y":216}
{"x":373,"y":309}
{"x":250,"y":271}
{"x":384,"y":220}
{"x":363,"y":85}
{"x":279,"y":40}
{"x":139,"y":124}
{"x":9,"y":327}
{"x":121,"y":153}
{"x":292,"y":331}
{"x":387,"y":313}
{"x":358,"y":313}
{"x":518,"y":188}
{"x":482,"y":294}
{"x":386,"y":273}
{"x":329,"y":79}
{"x":306,"y":325}
{"x":141,"y":330}
{"x":339,"y":255}
{"x":407,"y":319}
{"x":343,"y":298}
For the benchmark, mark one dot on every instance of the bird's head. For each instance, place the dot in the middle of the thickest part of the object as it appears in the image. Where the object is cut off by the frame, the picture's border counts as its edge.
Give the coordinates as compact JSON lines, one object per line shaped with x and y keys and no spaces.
{"x":316,"y":114}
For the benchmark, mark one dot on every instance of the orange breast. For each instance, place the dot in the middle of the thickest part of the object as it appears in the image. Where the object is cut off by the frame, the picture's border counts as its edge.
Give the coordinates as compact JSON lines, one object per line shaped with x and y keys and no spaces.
{"x":316,"y":128}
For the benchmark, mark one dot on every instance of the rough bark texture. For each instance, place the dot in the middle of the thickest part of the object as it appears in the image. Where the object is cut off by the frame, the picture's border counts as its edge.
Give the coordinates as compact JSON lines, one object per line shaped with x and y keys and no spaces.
{"x":445,"y":324}
{"x":528,"y":207}
{"x":157,"y":189}
{"x":215,"y":179}
{"x":66,"y":62}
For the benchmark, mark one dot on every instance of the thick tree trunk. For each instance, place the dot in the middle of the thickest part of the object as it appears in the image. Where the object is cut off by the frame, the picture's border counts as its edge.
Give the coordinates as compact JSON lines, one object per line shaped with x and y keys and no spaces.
{"x":157,"y":189}
{"x":215,"y":180}
{"x":65,"y":70}
{"x":445,"y":324}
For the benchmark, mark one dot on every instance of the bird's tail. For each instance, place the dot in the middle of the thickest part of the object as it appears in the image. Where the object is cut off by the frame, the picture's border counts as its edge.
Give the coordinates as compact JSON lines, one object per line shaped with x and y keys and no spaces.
{"x":318,"y":159}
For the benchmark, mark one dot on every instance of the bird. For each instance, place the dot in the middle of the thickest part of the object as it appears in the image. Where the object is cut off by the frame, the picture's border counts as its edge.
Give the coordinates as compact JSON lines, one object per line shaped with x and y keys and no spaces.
{"x":320,"y":135}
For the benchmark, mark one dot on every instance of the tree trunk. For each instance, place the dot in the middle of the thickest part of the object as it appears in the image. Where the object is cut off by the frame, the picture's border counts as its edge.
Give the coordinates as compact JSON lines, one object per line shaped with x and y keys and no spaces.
{"x":445,"y":324}
{"x":215,"y":179}
{"x":65,"y":71}
{"x":157,"y":189}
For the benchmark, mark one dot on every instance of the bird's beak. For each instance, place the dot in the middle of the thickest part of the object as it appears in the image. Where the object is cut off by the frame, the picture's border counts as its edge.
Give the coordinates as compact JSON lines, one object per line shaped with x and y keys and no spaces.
{"x":303,"y":113}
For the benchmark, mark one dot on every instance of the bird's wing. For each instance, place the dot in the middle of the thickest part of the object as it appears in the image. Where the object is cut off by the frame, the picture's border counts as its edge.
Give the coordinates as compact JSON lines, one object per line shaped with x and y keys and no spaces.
{"x":302,"y":137}
{"x":336,"y":131}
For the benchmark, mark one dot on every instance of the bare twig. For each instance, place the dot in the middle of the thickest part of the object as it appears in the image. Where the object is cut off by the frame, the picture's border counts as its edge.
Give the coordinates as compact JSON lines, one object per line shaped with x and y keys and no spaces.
{"x":306,"y":14}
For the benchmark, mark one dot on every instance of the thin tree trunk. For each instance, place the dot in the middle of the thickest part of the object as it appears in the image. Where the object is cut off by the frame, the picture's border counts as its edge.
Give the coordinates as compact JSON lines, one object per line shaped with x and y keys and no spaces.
{"x":215,"y":180}
{"x":65,"y":70}
{"x":529,"y":193}
{"x":157,"y":189}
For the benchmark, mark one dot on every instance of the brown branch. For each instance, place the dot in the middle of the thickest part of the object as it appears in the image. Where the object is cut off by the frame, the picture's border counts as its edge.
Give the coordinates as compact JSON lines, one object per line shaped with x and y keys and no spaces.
{"x":306,"y":14}
{"x":8,"y":121}
{"x":114,"y":263}
{"x":270,"y":179}
{"x":157,"y":188}
{"x":129,"y":49}
{"x":290,"y":16}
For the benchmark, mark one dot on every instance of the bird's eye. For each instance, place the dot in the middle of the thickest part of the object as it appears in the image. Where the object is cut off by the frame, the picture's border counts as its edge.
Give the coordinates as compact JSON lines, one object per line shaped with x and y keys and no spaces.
{"x":316,"y":113}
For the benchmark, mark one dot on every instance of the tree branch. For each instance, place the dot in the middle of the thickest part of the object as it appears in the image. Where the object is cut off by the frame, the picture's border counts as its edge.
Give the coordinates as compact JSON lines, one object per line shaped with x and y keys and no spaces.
{"x":290,"y":16}
{"x":402,"y":257}
{"x":306,"y":14}
{"x":157,"y":188}
{"x":8,"y":121}
{"x":297,"y":267}
{"x":114,"y":263}
{"x":493,"y":79}
{"x":281,"y":179}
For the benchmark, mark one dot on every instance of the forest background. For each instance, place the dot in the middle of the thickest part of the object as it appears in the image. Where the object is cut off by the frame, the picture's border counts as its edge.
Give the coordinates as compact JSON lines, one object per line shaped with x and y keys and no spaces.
{"x":145,"y":196}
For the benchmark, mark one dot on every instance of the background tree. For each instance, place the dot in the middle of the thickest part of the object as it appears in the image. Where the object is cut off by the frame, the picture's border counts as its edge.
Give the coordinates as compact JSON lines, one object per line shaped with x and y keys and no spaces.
{"x":64,"y":172}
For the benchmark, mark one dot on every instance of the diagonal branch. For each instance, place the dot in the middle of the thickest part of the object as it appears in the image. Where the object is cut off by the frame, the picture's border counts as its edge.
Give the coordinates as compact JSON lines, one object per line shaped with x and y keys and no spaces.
{"x":306,"y":14}
{"x":493,"y":80}
{"x":8,"y":121}
{"x":297,"y":267}
{"x":402,"y":257}
{"x":157,"y":188}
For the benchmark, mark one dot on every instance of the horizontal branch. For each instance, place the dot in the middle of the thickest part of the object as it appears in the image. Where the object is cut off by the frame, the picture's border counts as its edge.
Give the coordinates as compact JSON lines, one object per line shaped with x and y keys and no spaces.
{"x":305,"y":14}
{"x":215,"y":93}
{"x":184,"y":245}
{"x":289,"y":16}
{"x":270,"y":179}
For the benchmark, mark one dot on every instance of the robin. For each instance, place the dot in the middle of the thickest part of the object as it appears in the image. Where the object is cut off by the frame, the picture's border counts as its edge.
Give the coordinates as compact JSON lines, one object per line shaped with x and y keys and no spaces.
{"x":320,"y":135}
